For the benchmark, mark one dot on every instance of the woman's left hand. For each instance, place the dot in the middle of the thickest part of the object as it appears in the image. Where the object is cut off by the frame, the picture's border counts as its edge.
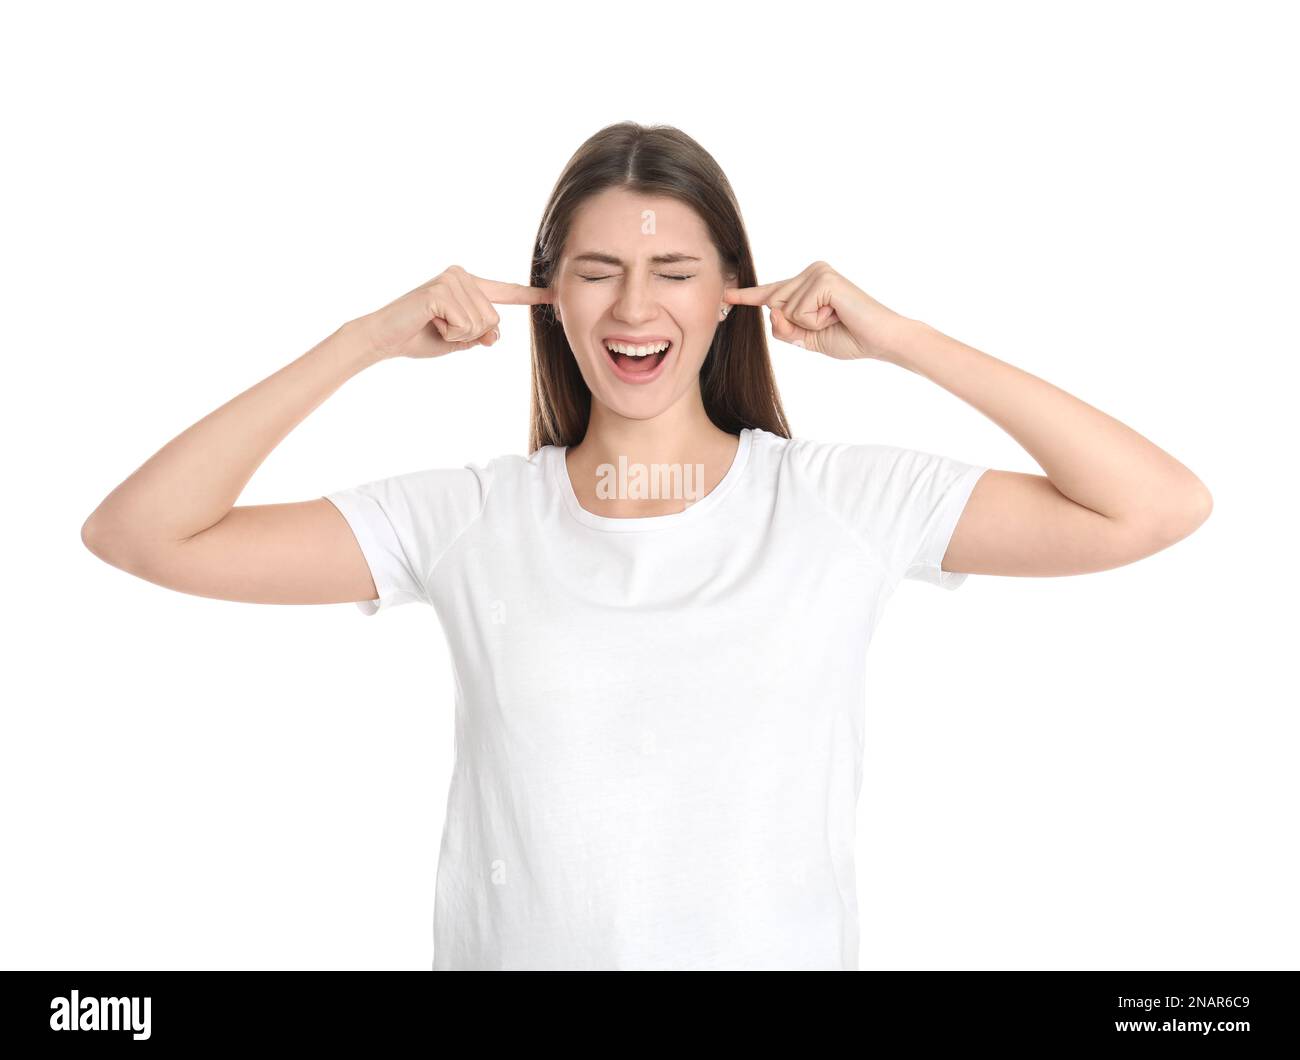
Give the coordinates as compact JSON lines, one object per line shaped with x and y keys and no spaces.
{"x":820,"y":310}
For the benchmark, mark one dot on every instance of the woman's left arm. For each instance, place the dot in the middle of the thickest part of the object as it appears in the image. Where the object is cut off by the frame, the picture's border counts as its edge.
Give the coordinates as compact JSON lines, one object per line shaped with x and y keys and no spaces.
{"x":1109,"y":497}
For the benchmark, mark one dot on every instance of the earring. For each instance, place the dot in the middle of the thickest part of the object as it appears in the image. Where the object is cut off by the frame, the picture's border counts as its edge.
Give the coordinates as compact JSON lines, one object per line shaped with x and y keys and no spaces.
{"x":725,"y":310}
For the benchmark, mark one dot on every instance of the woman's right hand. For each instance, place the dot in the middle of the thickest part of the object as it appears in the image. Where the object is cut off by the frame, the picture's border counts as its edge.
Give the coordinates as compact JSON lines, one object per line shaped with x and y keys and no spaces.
{"x":453,"y":311}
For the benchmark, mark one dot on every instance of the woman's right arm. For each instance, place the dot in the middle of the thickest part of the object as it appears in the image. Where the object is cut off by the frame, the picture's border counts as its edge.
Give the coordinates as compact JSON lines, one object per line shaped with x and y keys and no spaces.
{"x":173,"y":521}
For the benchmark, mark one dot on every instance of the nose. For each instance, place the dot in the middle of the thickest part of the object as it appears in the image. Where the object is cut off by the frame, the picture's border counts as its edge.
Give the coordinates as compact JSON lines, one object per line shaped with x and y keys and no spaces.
{"x":635,"y":303}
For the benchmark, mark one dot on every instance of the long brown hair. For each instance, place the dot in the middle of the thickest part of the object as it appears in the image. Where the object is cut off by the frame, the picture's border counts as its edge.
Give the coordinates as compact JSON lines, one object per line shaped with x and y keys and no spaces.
{"x":737,"y":383}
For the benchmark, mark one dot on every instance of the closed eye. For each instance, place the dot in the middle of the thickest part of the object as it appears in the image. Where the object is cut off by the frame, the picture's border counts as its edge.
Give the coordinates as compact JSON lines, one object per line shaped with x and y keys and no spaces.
{"x":663,"y":276}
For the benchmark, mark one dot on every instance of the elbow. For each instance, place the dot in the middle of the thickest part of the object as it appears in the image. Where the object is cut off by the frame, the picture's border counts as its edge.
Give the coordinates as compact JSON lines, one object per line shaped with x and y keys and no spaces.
{"x":1204,"y":504}
{"x":1178,"y":519}
{"x":90,"y":535}
{"x":100,"y":540}
{"x":1195,"y":508}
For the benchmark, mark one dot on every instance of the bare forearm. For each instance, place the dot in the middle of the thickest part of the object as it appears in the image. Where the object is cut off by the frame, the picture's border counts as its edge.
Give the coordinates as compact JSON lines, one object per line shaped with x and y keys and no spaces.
{"x":195,"y":479}
{"x":1092,"y":458}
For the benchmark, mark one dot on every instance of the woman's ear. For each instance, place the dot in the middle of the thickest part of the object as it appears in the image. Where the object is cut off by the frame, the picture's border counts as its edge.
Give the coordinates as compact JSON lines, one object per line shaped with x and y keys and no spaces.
{"x":728,"y":280}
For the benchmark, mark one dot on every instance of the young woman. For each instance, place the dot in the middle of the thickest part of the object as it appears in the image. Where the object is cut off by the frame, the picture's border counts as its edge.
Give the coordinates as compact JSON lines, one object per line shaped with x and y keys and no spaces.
{"x":659,"y":692}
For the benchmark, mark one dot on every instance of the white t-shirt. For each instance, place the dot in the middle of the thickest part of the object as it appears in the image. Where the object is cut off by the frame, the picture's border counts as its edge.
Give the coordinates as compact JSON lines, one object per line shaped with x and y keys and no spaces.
{"x":659,"y":720}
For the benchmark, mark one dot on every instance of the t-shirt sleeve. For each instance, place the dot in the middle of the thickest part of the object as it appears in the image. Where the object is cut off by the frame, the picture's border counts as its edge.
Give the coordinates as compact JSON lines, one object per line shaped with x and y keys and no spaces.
{"x":904,"y":502}
{"x":406,"y":523}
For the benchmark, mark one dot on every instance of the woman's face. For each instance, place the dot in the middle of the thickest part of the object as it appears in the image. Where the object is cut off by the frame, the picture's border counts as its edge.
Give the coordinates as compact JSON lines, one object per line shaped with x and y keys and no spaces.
{"x":639,"y":270}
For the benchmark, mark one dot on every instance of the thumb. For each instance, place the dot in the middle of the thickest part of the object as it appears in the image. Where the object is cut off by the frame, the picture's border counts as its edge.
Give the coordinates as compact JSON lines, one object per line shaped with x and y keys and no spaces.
{"x":488,"y":338}
{"x":787,"y":332}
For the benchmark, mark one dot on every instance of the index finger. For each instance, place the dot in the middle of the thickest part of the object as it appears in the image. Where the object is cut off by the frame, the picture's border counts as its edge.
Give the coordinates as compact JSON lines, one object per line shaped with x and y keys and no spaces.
{"x":514,"y":293}
{"x":750,"y":295}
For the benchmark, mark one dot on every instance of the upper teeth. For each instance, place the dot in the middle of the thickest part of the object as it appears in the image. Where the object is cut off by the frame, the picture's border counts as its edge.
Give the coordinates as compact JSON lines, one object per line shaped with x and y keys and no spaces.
{"x":637,"y":351}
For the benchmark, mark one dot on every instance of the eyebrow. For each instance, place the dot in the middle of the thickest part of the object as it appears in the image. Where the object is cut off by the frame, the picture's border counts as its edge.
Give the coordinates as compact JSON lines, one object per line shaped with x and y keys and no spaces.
{"x":602,"y":258}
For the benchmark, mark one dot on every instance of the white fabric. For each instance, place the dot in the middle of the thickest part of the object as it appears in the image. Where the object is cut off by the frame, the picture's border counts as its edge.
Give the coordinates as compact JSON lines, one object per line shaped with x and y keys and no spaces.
{"x":658,"y":721}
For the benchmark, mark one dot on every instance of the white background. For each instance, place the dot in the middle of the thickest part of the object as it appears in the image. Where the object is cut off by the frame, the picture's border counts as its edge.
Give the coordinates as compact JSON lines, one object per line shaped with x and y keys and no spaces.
{"x":1087,"y":772}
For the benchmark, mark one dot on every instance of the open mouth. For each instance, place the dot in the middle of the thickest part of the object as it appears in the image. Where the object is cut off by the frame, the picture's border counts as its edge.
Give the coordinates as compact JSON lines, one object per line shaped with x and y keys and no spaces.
{"x":638,"y":363}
